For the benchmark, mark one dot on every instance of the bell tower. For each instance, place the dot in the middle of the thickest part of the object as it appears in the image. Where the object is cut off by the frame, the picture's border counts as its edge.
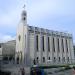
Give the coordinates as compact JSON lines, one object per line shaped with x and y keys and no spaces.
{"x":22,"y":39}
{"x":24,"y":16}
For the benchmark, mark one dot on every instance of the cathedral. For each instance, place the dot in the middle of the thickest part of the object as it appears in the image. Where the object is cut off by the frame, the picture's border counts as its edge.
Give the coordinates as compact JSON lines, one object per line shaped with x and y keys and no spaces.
{"x":42,"y":45}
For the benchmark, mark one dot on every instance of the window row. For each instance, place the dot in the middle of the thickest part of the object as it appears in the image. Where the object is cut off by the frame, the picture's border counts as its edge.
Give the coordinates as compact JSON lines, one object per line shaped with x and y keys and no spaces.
{"x":53,"y":44}
{"x":54,"y":59}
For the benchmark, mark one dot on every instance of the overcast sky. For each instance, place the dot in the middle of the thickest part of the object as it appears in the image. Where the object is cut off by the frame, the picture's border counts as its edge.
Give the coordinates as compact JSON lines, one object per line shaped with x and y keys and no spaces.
{"x":58,"y":15}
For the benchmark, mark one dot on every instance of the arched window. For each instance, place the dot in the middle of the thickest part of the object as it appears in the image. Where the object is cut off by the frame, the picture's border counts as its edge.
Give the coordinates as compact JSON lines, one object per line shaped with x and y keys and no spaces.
{"x":49,"y":58}
{"x":37,"y":42}
{"x":54,"y":59}
{"x":19,"y":37}
{"x":24,"y":18}
{"x":64,"y":59}
{"x":43,"y":59}
{"x":48,"y":44}
{"x":17,"y":60}
{"x":0,"y":45}
{"x":43,"y":43}
{"x":59,"y":59}
{"x":68,"y":59}
{"x":37,"y":59}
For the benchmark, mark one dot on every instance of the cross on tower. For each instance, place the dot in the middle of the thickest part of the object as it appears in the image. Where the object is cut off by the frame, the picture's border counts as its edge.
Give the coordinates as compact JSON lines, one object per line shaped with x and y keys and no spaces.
{"x":24,"y":6}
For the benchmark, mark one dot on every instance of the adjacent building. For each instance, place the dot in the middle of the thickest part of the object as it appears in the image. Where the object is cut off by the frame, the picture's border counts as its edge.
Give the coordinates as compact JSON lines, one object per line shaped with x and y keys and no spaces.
{"x":7,"y":50}
{"x":42,"y":45}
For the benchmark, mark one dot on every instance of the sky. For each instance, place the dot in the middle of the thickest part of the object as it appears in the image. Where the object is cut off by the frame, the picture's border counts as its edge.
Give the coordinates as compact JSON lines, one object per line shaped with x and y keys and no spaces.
{"x":57,"y":15}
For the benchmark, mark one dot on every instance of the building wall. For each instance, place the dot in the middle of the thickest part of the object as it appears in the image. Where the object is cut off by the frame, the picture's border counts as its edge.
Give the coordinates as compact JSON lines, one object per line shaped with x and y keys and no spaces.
{"x":42,"y":45}
{"x":7,"y":50}
{"x":61,"y":47}
{"x":58,"y":46}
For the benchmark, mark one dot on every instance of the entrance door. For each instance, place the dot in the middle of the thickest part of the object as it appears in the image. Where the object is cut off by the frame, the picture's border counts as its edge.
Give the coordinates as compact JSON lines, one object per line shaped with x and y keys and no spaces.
{"x":17,"y":60}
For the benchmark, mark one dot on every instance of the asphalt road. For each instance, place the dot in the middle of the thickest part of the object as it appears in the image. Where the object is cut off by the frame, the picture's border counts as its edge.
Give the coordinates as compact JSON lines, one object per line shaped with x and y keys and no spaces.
{"x":57,"y":72}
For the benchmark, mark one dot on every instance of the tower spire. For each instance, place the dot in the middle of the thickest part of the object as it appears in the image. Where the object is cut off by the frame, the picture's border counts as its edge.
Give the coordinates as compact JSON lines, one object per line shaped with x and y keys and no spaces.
{"x":24,"y":15}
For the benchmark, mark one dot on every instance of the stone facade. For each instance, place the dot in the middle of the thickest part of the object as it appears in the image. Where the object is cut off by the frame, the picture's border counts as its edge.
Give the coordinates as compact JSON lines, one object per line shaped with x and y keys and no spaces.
{"x":42,"y":45}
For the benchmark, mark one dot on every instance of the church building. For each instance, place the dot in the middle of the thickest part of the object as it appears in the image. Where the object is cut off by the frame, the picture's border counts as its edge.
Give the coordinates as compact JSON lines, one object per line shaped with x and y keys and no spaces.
{"x":42,"y":45}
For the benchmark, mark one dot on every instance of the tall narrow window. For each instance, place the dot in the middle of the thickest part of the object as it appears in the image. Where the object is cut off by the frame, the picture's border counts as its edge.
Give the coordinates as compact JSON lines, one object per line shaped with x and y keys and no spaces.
{"x":53,"y":45}
{"x":62,"y":45}
{"x":43,"y":59}
{"x":54,"y":59}
{"x":59,"y":59}
{"x":68,"y":59}
{"x":19,"y":37}
{"x":43,"y":42}
{"x":58,"y":45}
{"x":37,"y":59}
{"x":48,"y":44}
{"x":0,"y":45}
{"x":66,"y":45}
{"x":25,"y":41}
{"x":37,"y":42}
{"x":64,"y":59}
{"x":49,"y":58}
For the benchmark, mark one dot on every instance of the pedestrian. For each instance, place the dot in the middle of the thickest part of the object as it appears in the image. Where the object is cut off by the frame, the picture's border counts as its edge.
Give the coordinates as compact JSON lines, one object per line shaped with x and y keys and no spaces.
{"x":22,"y":71}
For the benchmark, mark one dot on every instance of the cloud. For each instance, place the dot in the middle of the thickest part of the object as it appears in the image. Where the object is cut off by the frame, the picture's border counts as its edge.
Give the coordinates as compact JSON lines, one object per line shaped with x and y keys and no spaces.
{"x":9,"y":19}
{"x":51,"y":7}
{"x":54,"y":14}
{"x":5,"y":38}
{"x":37,"y":10}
